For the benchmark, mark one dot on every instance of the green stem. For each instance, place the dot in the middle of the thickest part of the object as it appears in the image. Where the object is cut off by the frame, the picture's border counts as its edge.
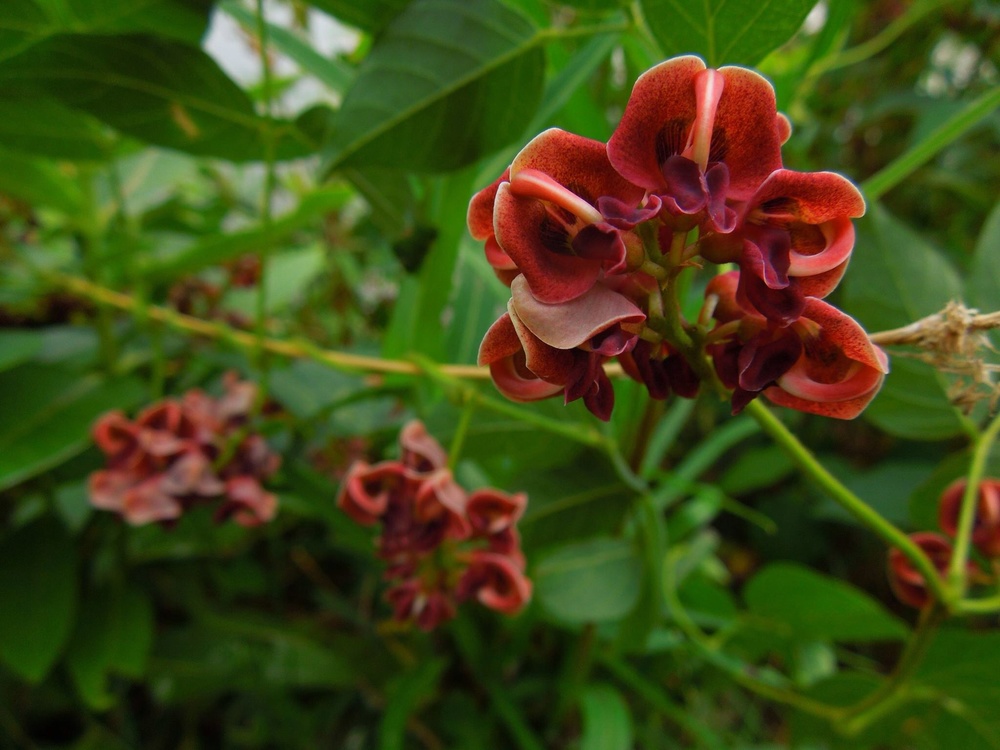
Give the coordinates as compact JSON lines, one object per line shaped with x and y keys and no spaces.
{"x":958,"y":566}
{"x":859,"y":716}
{"x":652,"y":694}
{"x":895,"y":172}
{"x":874,"y":45}
{"x":854,"y":505}
{"x":739,"y":675}
{"x":458,"y":439}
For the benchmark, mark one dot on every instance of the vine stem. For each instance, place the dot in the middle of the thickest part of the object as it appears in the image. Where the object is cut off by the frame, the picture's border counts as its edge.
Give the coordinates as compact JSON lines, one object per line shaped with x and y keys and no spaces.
{"x":958,"y":565}
{"x":296,"y":348}
{"x":857,"y":717}
{"x":854,"y":505}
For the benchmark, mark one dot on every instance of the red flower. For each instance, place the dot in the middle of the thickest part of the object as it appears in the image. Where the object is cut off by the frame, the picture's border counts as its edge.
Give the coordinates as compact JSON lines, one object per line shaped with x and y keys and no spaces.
{"x":442,"y":546}
{"x":823,"y":363}
{"x":166,"y":460}
{"x":986,"y":529}
{"x":907,"y":582}
{"x":698,"y":137}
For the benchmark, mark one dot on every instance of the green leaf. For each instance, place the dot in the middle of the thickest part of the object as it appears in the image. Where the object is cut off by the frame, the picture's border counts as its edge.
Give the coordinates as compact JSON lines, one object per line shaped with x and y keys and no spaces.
{"x":597,"y":580}
{"x":896,"y":278}
{"x":799,"y":604}
{"x":26,"y":22}
{"x":38,"y":596}
{"x":113,"y":635}
{"x":448,"y":81}
{"x":46,"y":414}
{"x":38,"y":182}
{"x":371,"y":15}
{"x":984,"y":279}
{"x":403,"y":699}
{"x":162,"y":91}
{"x":722,"y":32}
{"x":44,"y":127}
{"x":961,"y":668}
{"x":17,"y":346}
{"x":607,"y":721}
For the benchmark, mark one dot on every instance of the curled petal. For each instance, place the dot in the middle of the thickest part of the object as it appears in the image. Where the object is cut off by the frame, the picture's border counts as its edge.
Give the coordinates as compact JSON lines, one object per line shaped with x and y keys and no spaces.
{"x":247,"y":502}
{"x":147,"y":502}
{"x":480,"y":215}
{"x":439,"y":499}
{"x":115,"y":434}
{"x":192,"y":474}
{"x":366,"y":490}
{"x":107,"y":489}
{"x":578,"y":163}
{"x":840,"y":370}
{"x":502,"y":349}
{"x":810,"y":197}
{"x":490,"y":511}
{"x":496,"y":582}
{"x":419,"y":451}
{"x":906,"y":581}
{"x":572,"y":323}
{"x":986,"y":527}
{"x":540,"y":247}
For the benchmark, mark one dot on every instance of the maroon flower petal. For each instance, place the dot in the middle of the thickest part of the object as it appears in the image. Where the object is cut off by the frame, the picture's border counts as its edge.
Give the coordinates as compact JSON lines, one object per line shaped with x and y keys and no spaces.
{"x":419,"y":451}
{"x":496,"y":582}
{"x":366,"y":490}
{"x":744,"y":135}
{"x":657,"y":121}
{"x":480,"y":215}
{"x":491,"y":511}
{"x":247,"y":503}
{"x":580,"y":164}
{"x":539,"y":245}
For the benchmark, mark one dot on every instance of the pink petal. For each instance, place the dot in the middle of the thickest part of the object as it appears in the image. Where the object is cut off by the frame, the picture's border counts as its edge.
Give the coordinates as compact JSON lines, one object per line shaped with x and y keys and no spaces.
{"x":107,"y":489}
{"x":147,"y":502}
{"x":247,"y":502}
{"x":570,"y":324}
{"x":656,"y":122}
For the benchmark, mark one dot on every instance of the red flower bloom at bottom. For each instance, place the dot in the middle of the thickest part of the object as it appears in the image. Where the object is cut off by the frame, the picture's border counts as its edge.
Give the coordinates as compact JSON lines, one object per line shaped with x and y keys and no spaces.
{"x":442,"y":546}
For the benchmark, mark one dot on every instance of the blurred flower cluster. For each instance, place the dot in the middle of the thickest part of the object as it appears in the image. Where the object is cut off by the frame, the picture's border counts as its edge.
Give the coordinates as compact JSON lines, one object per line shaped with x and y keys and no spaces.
{"x":443,"y":546}
{"x":592,"y":238}
{"x":907,"y":582}
{"x":183,"y":452}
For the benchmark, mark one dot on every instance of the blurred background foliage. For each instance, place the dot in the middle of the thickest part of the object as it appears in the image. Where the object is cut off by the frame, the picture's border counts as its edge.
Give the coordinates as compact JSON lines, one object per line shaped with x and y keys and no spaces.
{"x":147,"y":165}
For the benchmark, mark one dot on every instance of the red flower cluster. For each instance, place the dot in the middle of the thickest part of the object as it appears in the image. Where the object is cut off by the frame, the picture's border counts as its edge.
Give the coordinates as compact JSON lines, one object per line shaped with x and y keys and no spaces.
{"x":591,"y":237}
{"x":179,"y":453}
{"x":442,"y":546}
{"x":907,"y":582}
